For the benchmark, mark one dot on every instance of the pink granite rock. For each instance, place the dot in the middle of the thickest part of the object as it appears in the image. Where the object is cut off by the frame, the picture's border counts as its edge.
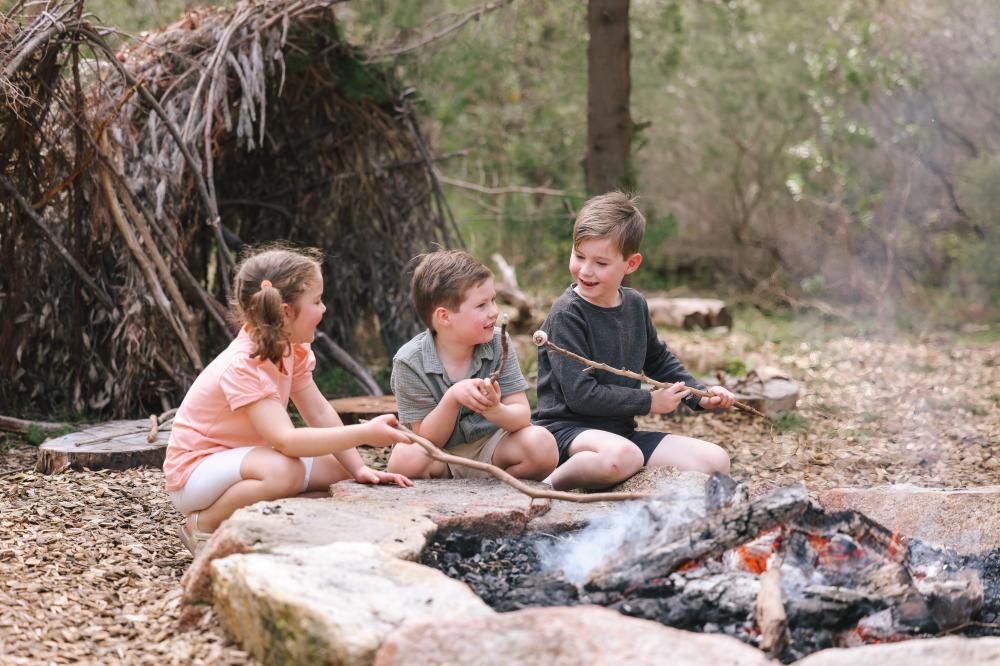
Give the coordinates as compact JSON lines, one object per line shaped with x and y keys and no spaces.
{"x":560,"y":636}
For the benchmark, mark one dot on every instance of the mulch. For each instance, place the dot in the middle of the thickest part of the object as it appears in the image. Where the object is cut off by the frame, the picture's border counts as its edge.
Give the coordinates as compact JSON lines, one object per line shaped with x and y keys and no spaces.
{"x":90,"y":564}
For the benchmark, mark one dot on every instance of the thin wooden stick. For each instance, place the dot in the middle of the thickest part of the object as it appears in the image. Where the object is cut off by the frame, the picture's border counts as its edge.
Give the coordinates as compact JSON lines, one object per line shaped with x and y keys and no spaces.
{"x":541,"y":339}
{"x":535,"y":493}
{"x":505,"y":349}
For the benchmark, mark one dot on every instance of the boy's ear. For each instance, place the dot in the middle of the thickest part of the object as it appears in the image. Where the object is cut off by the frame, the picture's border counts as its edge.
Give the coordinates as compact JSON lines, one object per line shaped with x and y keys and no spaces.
{"x":632,"y":263}
{"x":441,"y":317}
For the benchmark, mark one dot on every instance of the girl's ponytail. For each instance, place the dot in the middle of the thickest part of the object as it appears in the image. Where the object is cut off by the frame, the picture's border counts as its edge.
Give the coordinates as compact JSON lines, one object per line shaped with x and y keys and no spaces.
{"x":265,"y":280}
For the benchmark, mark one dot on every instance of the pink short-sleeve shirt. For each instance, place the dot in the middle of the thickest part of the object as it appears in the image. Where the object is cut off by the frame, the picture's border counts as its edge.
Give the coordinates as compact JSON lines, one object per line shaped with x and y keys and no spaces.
{"x":210,"y":418}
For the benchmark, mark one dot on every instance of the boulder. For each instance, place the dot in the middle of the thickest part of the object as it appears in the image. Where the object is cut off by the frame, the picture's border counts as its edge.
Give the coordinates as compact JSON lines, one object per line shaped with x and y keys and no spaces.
{"x":925,"y":652}
{"x":399,"y":520}
{"x":560,"y":636}
{"x":331,"y":604}
{"x":965,"y":520}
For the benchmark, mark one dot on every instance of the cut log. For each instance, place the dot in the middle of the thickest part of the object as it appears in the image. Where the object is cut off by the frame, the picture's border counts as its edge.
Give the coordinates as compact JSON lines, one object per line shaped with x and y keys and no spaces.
{"x":352,"y":410}
{"x":765,"y":389}
{"x":525,"y":318}
{"x":710,"y":536}
{"x":689,"y":313}
{"x":112,"y":445}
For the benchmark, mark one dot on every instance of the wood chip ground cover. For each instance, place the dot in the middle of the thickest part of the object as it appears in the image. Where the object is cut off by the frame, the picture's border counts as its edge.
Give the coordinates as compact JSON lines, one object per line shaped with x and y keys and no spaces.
{"x":90,"y":564}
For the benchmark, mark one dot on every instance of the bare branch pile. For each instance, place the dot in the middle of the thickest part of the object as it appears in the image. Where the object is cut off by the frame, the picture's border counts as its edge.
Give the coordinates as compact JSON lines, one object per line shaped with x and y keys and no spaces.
{"x":130,"y":181}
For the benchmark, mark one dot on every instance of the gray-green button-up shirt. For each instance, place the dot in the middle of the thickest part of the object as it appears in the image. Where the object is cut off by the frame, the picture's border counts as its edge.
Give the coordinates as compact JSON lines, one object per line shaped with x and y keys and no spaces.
{"x":419,"y":382}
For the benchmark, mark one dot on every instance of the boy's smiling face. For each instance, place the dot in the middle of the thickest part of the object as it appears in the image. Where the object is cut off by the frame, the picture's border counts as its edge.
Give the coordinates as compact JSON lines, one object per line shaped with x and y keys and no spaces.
{"x":598,"y":268}
{"x":475,"y":318}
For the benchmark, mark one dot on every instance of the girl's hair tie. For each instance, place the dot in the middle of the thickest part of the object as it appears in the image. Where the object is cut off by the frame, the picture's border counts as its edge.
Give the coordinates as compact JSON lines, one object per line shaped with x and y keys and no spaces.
{"x":264,"y":284}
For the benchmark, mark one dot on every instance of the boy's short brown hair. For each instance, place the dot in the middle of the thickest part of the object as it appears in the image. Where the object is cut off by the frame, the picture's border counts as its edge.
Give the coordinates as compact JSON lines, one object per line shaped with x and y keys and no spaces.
{"x":614,"y":215}
{"x":441,"y":279}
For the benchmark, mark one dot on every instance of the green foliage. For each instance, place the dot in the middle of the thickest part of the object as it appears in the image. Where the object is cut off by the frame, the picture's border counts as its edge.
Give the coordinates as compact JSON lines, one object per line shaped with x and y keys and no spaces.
{"x":790,"y":422}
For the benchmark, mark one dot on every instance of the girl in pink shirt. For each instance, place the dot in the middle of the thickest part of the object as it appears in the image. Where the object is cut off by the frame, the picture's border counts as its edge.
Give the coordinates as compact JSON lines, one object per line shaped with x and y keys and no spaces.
{"x":232,"y":442}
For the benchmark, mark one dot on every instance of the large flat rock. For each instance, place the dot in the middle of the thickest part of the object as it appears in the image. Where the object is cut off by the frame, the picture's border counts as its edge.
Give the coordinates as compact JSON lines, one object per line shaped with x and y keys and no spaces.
{"x":399,"y":520}
{"x":267,"y":526}
{"x":966,"y":520}
{"x":947,"y":651}
{"x":331,"y":604}
{"x":560,"y":636}
{"x":484,"y":506}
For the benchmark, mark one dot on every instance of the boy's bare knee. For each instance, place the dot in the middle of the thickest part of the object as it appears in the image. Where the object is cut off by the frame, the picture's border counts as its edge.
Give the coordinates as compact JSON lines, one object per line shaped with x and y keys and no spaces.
{"x":715,"y":460}
{"x":622,"y":462}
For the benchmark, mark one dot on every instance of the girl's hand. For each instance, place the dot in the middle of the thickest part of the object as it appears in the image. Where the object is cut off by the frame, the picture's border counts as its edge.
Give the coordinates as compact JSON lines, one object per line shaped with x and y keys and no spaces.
{"x":721,"y":398}
{"x":664,"y":401}
{"x":383,"y":431}
{"x":368,"y":475}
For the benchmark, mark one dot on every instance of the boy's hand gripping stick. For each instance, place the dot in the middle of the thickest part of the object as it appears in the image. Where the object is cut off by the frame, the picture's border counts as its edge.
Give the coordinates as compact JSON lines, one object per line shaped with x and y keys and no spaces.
{"x":541,"y":339}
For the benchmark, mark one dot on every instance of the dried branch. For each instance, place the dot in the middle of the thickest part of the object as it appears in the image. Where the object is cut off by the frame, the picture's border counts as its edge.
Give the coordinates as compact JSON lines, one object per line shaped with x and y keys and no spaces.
{"x":542,"y":340}
{"x":81,"y":272}
{"x":463,"y":18}
{"x":505,"y":350}
{"x":535,"y":493}
{"x":509,"y":189}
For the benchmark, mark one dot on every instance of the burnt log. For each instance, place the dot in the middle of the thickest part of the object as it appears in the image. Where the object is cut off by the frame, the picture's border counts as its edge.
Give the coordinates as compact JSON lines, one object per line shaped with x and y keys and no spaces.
{"x":706,"y":537}
{"x":771,"y":617}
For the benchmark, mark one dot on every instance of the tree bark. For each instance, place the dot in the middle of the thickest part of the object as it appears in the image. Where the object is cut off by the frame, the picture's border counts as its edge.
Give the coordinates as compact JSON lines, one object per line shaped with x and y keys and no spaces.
{"x":609,"y":122}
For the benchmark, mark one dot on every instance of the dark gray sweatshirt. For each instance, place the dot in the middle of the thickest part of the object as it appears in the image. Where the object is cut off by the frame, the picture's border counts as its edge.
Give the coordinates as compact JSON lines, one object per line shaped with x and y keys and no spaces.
{"x":621,"y":337}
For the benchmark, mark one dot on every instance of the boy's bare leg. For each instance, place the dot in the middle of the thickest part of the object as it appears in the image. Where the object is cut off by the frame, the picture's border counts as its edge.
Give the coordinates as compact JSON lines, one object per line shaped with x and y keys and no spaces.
{"x":529,"y":453}
{"x":598,"y":459}
{"x":690,"y":454}
{"x":267,"y":475}
{"x":410,"y":460}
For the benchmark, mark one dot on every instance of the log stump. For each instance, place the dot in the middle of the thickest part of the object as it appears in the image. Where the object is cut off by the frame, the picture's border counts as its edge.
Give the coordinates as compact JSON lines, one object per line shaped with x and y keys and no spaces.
{"x":765,"y":389}
{"x":689,"y":313}
{"x":353,"y":409}
{"x":112,"y":445}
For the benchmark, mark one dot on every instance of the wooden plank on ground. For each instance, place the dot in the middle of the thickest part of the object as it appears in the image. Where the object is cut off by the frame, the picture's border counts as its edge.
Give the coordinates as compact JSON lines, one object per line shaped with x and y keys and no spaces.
{"x":111,"y":445}
{"x":363,"y":407}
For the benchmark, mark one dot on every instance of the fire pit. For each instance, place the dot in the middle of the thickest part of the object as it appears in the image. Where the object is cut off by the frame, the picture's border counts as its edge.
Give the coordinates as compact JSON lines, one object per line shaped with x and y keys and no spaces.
{"x":778,"y":573}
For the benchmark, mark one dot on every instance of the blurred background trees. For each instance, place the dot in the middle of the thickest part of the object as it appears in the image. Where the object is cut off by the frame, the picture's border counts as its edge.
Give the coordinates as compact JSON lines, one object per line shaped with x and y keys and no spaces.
{"x":839,"y":153}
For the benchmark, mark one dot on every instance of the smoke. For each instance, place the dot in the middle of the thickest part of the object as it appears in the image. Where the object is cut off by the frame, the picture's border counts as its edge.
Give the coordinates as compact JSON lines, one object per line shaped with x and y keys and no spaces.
{"x":578,"y":554}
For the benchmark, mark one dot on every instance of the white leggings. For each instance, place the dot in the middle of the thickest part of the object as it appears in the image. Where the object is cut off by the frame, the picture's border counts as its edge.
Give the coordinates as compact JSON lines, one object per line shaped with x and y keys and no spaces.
{"x":215,"y":475}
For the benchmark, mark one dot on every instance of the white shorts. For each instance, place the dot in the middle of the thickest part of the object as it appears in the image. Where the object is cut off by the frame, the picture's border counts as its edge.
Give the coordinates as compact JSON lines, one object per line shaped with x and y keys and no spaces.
{"x":215,"y":475}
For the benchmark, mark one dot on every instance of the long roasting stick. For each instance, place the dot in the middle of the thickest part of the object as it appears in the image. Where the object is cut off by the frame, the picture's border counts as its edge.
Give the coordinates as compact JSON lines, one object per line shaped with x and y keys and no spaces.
{"x":542,"y":340}
{"x":536,"y":493}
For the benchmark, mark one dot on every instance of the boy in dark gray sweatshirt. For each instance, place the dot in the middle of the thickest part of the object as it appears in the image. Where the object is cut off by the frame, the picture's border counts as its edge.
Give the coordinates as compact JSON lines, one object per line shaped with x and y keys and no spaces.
{"x":592,"y":413}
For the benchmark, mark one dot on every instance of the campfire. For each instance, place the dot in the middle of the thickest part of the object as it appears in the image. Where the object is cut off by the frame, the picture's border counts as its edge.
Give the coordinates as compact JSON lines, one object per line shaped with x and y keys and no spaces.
{"x":777,"y":572}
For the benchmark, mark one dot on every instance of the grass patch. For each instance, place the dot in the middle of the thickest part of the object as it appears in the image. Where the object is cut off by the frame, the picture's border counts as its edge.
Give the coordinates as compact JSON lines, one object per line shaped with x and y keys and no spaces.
{"x":734,"y":367}
{"x":924,"y":369}
{"x":790,"y":422}
{"x":871,"y":417}
{"x":976,"y":410}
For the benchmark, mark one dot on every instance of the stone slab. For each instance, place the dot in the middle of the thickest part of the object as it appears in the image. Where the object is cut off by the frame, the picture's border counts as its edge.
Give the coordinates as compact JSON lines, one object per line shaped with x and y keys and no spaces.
{"x":399,"y":520}
{"x":331,"y":604}
{"x":561,"y":636}
{"x":484,"y":506}
{"x":947,"y":651}
{"x":965,"y":520}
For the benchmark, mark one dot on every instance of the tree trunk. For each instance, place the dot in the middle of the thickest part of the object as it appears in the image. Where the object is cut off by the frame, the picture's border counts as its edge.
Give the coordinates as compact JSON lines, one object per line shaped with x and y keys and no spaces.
{"x":609,"y":123}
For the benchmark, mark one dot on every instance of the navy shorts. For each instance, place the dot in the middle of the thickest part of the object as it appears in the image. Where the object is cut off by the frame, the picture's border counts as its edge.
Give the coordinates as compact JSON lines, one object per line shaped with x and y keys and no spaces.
{"x":646,"y":441}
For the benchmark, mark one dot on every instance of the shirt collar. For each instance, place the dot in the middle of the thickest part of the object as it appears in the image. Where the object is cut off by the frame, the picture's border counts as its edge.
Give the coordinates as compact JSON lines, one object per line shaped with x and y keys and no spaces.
{"x":432,"y":362}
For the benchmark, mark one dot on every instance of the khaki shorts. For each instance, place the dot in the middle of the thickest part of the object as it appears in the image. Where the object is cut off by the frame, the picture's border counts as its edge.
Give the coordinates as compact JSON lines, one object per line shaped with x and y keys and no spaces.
{"x":481,"y":450}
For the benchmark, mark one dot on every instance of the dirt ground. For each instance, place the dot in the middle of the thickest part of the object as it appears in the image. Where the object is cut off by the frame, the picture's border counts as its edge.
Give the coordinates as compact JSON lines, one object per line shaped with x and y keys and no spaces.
{"x":90,"y":563}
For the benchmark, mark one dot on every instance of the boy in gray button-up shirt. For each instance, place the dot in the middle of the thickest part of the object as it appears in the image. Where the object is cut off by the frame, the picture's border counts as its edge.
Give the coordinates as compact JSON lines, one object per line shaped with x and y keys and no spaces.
{"x":441,"y":379}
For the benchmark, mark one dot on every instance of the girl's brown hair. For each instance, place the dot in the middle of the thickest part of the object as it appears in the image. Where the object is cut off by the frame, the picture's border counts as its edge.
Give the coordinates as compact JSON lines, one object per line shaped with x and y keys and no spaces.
{"x":258,"y":307}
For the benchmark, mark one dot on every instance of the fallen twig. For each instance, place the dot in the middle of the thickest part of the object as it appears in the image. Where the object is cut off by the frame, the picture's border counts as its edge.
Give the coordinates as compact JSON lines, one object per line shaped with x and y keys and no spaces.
{"x":12,"y":424}
{"x":542,"y":340}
